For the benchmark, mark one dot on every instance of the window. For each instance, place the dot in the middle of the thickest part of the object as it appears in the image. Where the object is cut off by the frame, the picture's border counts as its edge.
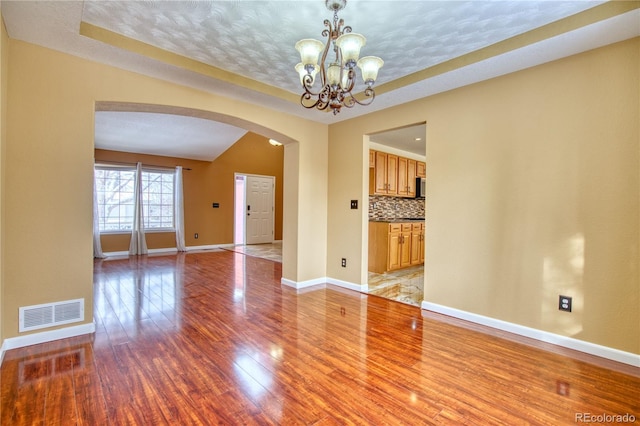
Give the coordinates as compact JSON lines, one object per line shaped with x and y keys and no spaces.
{"x":115,"y":190}
{"x":157,"y":200}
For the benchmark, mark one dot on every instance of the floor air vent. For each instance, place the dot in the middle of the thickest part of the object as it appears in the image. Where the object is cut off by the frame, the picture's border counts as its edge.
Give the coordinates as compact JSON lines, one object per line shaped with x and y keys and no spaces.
{"x":51,"y":314}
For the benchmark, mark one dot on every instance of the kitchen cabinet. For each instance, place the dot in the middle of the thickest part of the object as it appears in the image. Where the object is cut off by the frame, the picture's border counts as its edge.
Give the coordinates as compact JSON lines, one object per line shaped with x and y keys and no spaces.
{"x":406,"y":177}
{"x":395,"y":245}
{"x":405,"y":245}
{"x":390,"y":174}
{"x":385,"y":174}
{"x":417,"y":243}
{"x":393,"y":248}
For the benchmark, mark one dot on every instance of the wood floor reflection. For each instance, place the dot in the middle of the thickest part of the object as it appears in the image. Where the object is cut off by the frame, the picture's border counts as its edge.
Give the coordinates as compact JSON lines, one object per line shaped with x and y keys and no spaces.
{"x":213,"y":338}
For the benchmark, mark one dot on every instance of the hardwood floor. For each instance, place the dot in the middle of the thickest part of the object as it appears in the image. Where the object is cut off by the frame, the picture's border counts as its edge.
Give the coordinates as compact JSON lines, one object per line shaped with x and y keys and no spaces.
{"x":213,"y":338}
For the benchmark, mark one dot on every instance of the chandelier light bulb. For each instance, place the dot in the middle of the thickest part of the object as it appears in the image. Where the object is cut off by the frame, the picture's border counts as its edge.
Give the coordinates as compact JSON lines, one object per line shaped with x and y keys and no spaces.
{"x":309,"y":50}
{"x":369,"y":65}
{"x":350,"y":45}
{"x":333,"y":74}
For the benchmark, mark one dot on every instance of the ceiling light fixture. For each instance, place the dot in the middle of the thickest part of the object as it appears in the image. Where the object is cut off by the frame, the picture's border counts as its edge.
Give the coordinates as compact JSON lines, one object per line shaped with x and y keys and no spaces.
{"x":338,"y":78}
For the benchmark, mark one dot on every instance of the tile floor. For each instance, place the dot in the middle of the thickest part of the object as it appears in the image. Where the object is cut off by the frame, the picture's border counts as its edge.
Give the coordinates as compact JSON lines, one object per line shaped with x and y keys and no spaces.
{"x":405,"y":285}
{"x":271,"y":251}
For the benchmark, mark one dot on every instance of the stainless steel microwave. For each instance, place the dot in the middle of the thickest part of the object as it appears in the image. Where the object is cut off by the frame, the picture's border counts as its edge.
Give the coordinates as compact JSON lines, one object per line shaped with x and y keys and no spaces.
{"x":421,"y":187}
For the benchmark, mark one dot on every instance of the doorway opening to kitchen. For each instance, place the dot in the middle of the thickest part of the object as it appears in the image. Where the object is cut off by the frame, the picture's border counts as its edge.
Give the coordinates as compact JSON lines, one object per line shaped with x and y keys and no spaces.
{"x":397,"y":212}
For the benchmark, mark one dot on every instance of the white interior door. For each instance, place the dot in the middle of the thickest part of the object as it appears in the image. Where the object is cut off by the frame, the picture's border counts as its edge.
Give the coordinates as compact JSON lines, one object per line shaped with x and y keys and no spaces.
{"x":260,"y":209}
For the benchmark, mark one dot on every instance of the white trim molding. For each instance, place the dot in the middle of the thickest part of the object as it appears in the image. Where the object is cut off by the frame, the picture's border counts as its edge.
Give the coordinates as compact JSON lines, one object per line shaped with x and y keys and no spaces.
{"x":3,"y":349}
{"x":349,"y":285}
{"x":121,"y":254}
{"x":543,"y":336}
{"x":303,"y":284}
{"x":116,"y":254}
{"x":46,"y":336}
{"x":210,"y":247}
{"x":171,"y":250}
{"x":325,"y":280}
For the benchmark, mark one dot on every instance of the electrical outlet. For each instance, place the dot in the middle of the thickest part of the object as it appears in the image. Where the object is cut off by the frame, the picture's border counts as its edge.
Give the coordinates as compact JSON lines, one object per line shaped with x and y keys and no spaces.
{"x":354,"y":204}
{"x":344,"y":262}
{"x":564,"y":303}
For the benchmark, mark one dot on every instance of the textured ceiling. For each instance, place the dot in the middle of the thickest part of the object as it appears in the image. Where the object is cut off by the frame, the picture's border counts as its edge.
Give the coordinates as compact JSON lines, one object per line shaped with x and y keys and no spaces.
{"x":164,"y":134}
{"x":409,"y":139}
{"x":255,"y":40}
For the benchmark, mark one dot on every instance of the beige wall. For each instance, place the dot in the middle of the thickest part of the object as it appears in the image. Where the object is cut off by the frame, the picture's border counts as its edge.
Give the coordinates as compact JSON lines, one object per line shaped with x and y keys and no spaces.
{"x":533,"y":191}
{"x":533,"y":187}
{"x":49,"y":162}
{"x":290,"y":218}
{"x":205,"y":183}
{"x":312,"y":193}
{"x":4,"y":66}
{"x":348,"y":162}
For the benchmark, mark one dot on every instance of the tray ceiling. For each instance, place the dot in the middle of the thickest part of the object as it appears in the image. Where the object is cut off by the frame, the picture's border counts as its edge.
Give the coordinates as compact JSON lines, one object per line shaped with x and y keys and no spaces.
{"x":246,"y":48}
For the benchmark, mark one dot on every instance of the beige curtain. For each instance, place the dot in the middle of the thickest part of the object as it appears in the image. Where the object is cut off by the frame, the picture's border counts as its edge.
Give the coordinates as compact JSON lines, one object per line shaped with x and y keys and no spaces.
{"x":138,"y":244}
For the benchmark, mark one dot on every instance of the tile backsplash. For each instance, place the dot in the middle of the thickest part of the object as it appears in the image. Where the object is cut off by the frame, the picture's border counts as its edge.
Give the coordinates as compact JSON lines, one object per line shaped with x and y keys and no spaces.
{"x":384,"y":207}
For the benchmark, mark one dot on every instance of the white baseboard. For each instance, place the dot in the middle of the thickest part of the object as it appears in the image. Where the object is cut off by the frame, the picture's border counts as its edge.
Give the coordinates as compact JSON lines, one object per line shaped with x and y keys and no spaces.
{"x":209,"y":247}
{"x":46,"y":336}
{"x":303,"y":284}
{"x":170,"y":250}
{"x":162,"y":250}
{"x":116,"y":254}
{"x":349,"y":285}
{"x":150,"y":251}
{"x":543,"y":336}
{"x":3,"y":349}
{"x":324,"y":280}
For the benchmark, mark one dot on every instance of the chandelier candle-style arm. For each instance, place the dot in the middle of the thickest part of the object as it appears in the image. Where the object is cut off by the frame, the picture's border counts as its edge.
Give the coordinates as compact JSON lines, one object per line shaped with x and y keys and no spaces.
{"x":337,"y":78}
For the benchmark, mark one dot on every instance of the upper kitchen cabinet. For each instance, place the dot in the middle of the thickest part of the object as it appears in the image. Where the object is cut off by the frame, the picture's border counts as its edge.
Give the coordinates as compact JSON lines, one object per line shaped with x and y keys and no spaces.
{"x":406,"y":177}
{"x":393,"y":175}
{"x":385,"y":174}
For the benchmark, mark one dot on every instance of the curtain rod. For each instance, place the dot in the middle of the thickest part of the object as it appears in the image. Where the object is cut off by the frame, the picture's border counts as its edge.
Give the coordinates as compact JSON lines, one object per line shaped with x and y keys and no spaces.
{"x":121,"y":163}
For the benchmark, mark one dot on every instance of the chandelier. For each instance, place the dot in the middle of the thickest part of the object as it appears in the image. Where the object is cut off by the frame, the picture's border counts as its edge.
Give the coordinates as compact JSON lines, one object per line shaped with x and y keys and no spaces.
{"x":337,"y":79}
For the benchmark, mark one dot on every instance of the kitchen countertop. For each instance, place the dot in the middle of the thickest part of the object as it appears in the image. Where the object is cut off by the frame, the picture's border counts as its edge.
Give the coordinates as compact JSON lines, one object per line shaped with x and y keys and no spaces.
{"x":399,"y":220}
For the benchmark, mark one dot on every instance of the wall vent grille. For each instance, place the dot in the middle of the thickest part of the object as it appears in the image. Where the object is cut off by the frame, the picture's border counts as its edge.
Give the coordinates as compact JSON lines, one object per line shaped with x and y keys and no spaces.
{"x":50,"y":314}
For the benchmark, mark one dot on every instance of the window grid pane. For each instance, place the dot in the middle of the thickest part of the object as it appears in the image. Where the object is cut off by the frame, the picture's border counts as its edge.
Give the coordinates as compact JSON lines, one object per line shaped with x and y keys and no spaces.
{"x":114,"y":190}
{"x":157,"y":190}
{"x":116,"y":204}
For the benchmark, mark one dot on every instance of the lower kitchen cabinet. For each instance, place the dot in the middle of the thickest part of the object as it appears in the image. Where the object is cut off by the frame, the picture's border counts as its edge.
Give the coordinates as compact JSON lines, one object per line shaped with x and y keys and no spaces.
{"x":417,"y":243}
{"x":395,"y":245}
